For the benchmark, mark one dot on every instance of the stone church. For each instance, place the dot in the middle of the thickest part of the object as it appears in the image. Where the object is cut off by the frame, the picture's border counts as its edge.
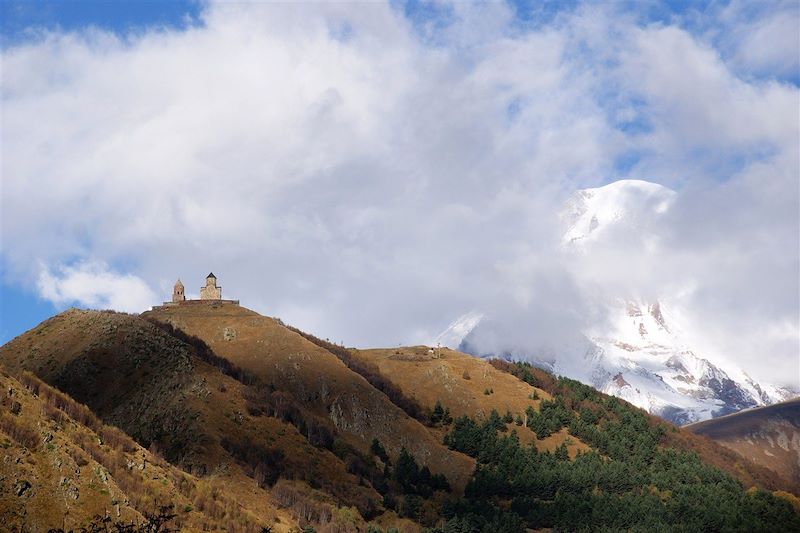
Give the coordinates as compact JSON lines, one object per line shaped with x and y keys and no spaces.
{"x":210,"y":293}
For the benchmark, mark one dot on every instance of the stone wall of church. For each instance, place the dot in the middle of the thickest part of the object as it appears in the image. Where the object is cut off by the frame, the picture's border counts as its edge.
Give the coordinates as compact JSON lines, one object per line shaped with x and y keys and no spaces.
{"x":210,"y":292}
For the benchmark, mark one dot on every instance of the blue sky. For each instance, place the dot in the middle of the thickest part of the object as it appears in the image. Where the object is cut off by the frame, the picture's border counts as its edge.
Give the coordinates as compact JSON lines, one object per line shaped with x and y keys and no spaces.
{"x":20,"y":18}
{"x":311,"y":154}
{"x":23,"y":21}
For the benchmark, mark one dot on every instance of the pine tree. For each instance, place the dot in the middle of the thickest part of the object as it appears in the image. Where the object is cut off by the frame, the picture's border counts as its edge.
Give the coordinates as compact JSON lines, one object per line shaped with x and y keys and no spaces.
{"x":379,"y":451}
{"x":438,"y":414}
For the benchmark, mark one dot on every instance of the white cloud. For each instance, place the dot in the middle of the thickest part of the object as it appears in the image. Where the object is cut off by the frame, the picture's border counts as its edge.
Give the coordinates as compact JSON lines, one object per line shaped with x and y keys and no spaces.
{"x":762,"y":38}
{"x":370,"y":181}
{"x":94,"y":285}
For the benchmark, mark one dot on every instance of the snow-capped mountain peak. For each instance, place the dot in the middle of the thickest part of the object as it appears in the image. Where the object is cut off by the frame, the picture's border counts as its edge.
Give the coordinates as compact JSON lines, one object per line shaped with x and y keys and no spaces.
{"x":589,"y":213}
{"x":643,"y":349}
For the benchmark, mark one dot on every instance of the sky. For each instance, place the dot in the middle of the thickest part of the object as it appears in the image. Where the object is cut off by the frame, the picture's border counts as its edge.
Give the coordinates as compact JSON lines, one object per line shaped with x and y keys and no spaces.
{"x":371,"y":171}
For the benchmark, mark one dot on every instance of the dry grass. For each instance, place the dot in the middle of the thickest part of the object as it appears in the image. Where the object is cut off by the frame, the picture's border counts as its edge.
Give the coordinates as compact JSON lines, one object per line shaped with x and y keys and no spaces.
{"x":19,"y":431}
{"x":767,"y":436}
{"x":429,"y":378}
{"x":318,"y":380}
{"x":99,"y":465}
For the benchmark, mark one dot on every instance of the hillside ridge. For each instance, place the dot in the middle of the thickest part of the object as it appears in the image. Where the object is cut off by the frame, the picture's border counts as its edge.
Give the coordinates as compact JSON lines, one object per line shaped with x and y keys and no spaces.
{"x":302,"y":432}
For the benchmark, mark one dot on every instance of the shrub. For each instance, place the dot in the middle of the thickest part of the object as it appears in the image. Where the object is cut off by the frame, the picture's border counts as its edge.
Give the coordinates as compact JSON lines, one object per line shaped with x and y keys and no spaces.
{"x":56,"y":415}
{"x":30,"y":382}
{"x":263,"y":464}
{"x":379,"y":451}
{"x":116,"y":439}
{"x":19,"y":433}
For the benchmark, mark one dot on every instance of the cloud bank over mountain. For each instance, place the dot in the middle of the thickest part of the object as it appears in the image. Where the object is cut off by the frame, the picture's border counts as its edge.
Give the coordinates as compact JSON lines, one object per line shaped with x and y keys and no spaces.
{"x":370,"y":173}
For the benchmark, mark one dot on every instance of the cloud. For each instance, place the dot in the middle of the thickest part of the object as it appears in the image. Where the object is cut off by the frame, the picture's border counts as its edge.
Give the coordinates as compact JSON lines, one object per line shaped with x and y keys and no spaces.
{"x":95,"y":285}
{"x":370,"y":175}
{"x":762,"y":39}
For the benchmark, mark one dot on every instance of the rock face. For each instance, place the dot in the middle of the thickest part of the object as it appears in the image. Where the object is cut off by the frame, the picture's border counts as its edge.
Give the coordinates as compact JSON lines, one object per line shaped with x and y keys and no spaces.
{"x":21,"y":486}
{"x":768,"y":436}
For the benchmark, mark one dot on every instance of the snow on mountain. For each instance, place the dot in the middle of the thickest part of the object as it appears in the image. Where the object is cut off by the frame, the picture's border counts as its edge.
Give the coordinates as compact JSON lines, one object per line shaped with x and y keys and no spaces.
{"x":458,"y":329}
{"x":630,"y":205}
{"x":643,"y":350}
{"x":656,"y":368}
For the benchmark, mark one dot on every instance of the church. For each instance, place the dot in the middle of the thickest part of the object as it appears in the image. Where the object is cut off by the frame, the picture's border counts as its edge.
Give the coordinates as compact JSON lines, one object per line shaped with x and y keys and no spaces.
{"x":209,"y":293}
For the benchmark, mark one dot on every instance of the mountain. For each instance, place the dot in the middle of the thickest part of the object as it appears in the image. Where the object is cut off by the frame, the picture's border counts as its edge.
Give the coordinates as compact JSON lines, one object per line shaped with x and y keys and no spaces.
{"x":193,"y":409}
{"x":768,"y":436}
{"x":624,"y":208}
{"x":236,"y":421}
{"x":62,"y":467}
{"x":316,"y":378}
{"x":641,"y":349}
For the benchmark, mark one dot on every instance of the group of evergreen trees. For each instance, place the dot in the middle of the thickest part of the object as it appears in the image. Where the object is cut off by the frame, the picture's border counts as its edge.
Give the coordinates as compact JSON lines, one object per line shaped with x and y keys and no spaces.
{"x":551,"y":417}
{"x":627,"y":482}
{"x":405,"y":485}
{"x":416,"y":480}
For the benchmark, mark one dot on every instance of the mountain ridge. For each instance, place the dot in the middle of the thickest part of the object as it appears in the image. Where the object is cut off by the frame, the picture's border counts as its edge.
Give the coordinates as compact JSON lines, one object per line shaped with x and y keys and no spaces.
{"x":768,"y":436}
{"x":298,"y":432}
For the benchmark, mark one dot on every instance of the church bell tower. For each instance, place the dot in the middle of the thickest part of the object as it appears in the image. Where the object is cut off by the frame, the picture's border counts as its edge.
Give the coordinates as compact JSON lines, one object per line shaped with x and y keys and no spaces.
{"x":177,"y":292}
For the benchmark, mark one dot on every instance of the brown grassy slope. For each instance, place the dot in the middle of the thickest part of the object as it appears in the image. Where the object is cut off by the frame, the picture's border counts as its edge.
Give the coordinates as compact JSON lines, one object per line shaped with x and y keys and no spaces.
{"x":61,"y":467}
{"x":768,"y":436}
{"x":460,"y":382}
{"x":148,"y":383}
{"x":46,"y":479}
{"x":128,"y":374}
{"x":317,"y":379}
{"x":746,"y":471}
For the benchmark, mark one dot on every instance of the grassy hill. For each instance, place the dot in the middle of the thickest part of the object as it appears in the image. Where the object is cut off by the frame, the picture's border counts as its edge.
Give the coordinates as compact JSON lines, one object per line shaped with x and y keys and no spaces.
{"x":162,"y":393}
{"x":319,"y":381}
{"x":768,"y":436}
{"x":466,"y":386}
{"x":254,"y":424}
{"x":62,"y":468}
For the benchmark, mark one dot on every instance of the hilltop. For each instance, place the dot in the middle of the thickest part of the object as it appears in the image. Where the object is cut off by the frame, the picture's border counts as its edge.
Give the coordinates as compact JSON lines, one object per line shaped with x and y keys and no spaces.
{"x":274,"y":427}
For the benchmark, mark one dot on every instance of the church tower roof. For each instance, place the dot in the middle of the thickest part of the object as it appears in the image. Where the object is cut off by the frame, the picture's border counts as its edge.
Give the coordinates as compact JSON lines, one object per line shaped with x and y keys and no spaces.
{"x":211,"y":275}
